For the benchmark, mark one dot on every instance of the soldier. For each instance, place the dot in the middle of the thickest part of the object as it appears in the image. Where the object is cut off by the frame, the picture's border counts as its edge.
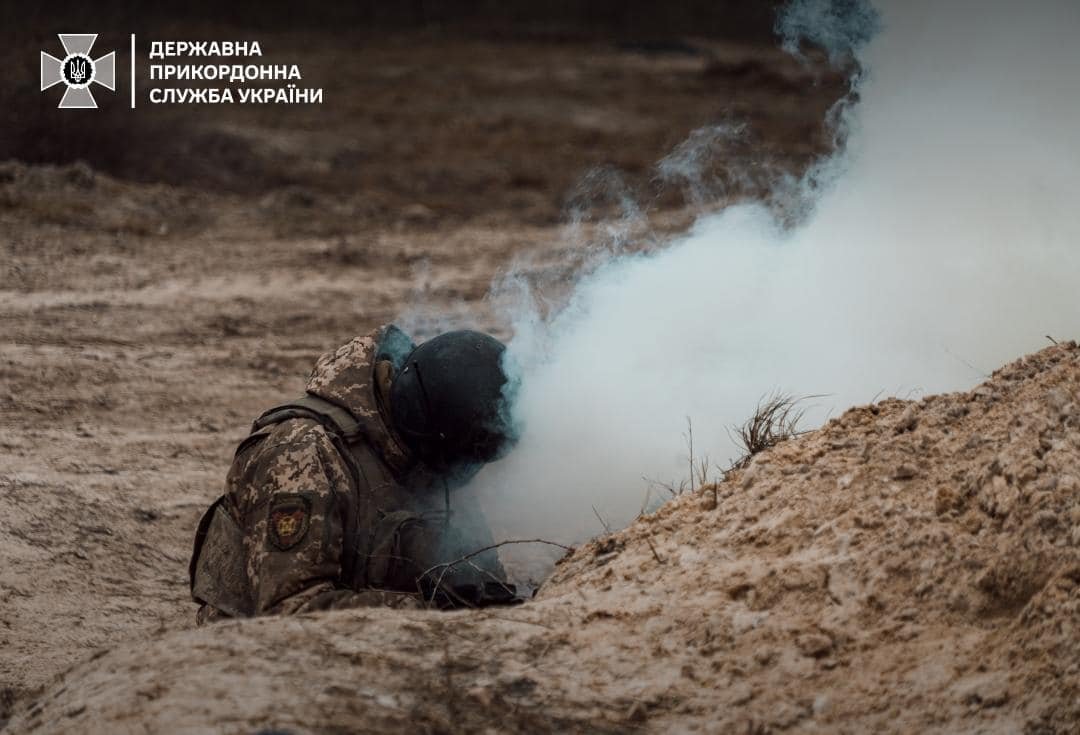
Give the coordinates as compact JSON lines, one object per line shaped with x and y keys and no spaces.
{"x":346,"y":496}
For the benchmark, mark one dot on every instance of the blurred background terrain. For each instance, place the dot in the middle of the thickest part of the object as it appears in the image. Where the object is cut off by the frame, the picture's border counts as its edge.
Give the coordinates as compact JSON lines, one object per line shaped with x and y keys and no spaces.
{"x":483,"y":109}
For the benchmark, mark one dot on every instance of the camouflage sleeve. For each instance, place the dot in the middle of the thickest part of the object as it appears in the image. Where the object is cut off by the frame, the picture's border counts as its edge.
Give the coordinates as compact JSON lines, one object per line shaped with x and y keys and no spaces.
{"x":292,"y":493}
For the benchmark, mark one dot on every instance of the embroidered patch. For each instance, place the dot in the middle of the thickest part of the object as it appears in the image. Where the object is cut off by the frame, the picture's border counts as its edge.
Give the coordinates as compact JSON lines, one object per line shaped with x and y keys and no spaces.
{"x":289,"y":520}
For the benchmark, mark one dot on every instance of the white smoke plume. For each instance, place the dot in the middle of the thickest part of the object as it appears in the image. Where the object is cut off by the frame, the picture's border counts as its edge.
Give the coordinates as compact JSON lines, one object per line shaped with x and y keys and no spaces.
{"x":945,"y":242}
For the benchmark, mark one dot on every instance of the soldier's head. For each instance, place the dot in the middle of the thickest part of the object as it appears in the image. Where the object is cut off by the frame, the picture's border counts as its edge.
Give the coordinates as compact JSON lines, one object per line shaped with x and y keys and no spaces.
{"x":448,"y":400}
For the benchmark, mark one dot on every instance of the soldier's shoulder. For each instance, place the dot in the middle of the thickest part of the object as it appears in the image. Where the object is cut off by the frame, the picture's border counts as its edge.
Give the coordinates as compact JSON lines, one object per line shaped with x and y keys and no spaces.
{"x":299,"y":430}
{"x":277,"y":457}
{"x":295,"y":434}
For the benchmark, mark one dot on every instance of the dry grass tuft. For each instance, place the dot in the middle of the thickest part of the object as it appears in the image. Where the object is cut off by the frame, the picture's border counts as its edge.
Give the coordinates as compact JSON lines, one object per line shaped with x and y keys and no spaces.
{"x":776,"y":420}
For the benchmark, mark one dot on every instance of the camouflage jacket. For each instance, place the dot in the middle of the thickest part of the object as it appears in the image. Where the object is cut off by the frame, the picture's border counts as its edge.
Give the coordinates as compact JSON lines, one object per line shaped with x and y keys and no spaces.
{"x":324,"y":505}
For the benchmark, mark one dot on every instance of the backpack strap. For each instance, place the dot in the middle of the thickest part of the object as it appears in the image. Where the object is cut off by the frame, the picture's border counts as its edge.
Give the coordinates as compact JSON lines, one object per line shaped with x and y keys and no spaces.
{"x":332,"y":416}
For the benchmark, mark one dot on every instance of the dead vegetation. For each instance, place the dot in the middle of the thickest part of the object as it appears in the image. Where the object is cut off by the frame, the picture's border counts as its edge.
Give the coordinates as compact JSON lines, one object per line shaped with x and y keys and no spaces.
{"x":430,"y":584}
{"x":775,"y":420}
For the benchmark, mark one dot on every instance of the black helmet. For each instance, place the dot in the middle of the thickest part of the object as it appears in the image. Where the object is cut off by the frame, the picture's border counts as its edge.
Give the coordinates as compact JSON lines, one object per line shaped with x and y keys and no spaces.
{"x":447,"y":400}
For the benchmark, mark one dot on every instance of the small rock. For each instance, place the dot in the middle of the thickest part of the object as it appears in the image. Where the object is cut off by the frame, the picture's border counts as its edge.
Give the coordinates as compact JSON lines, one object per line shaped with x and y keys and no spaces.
{"x":764,"y":656}
{"x":983,"y":692}
{"x":972,"y":523}
{"x":905,"y":471}
{"x":741,"y":693}
{"x":636,"y":713}
{"x":482,"y":695}
{"x":909,"y":632}
{"x":1047,"y":520}
{"x":958,"y":412}
{"x":814,"y":645}
{"x":787,"y":714}
{"x":908,"y":420}
{"x":146,"y":515}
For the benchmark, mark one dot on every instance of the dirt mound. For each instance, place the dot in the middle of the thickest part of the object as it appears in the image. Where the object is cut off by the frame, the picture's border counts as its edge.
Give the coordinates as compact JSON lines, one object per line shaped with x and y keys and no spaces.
{"x":910,"y":567}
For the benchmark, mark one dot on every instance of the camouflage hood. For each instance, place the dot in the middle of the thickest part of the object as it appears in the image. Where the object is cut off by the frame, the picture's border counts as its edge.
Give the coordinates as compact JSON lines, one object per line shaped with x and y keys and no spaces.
{"x":349,"y":378}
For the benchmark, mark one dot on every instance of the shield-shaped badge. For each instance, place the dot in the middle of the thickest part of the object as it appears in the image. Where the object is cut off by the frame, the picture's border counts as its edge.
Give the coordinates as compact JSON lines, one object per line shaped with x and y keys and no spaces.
{"x":288,"y":522}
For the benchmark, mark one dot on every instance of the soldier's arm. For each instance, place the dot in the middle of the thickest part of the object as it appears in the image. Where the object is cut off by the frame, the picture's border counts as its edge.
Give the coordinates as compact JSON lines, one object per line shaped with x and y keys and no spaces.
{"x":295,"y":506}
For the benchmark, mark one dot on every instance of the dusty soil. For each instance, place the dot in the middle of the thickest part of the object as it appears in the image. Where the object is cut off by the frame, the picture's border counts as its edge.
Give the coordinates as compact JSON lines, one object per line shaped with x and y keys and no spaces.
{"x":910,"y":567}
{"x":143,"y":325}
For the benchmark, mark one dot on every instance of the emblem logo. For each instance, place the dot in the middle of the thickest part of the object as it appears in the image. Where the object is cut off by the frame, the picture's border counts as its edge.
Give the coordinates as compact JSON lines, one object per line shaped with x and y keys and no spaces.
{"x":289,"y":520}
{"x":77,"y":70}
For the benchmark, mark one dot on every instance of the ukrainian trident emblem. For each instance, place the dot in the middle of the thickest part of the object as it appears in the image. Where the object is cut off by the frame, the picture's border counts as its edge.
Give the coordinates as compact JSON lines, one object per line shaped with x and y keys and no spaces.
{"x":77,"y":70}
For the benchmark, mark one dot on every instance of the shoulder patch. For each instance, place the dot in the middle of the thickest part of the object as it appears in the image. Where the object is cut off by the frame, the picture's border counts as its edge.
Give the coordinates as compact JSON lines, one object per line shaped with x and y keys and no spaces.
{"x":290,"y":516}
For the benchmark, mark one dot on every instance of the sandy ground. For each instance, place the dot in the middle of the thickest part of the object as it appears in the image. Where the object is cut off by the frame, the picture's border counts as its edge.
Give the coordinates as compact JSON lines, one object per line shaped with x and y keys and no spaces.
{"x":143,"y":325}
{"x":910,"y":567}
